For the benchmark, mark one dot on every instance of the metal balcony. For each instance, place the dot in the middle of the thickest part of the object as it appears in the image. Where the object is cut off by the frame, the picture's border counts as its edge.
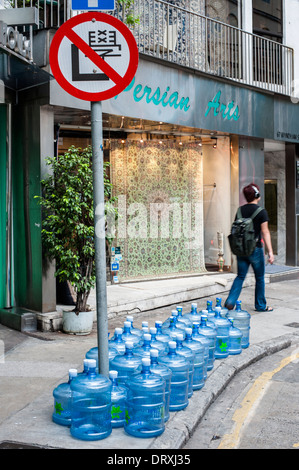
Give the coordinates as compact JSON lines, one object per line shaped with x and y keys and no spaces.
{"x":192,"y":40}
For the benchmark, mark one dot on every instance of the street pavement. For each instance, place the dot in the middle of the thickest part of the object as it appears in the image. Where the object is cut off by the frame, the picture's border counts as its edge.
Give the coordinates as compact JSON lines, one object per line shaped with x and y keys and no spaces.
{"x":33,"y":364}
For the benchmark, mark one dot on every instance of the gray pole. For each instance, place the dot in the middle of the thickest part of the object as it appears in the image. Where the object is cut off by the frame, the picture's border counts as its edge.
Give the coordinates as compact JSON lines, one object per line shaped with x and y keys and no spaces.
{"x":100,"y":244}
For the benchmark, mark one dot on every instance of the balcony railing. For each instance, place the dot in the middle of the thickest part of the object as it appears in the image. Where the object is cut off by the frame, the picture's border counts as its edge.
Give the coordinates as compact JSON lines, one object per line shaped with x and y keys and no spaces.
{"x":192,"y":40}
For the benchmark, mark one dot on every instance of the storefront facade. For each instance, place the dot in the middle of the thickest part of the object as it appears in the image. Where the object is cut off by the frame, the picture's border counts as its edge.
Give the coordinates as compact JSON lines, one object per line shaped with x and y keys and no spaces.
{"x":181,"y":148}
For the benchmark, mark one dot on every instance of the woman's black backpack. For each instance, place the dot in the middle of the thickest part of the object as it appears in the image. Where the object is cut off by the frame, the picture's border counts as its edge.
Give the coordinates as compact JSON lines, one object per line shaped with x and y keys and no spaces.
{"x":242,"y":239}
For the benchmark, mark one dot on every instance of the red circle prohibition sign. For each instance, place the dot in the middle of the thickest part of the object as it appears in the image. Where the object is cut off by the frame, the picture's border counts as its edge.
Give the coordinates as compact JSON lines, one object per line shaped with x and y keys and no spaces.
{"x":120,"y":81}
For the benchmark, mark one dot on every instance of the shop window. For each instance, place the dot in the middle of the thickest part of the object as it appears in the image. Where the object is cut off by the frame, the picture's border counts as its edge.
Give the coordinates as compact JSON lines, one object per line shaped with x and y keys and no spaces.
{"x":271,"y":208}
{"x":224,"y":43}
{"x":267,"y":23}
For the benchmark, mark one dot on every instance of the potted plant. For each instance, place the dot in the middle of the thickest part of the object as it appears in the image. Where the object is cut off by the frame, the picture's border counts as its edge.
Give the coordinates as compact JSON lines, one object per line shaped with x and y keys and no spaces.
{"x":68,"y":228}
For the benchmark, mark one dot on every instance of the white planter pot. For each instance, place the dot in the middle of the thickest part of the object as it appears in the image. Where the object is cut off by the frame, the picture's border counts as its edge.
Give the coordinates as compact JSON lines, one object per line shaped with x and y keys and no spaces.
{"x":77,"y":324}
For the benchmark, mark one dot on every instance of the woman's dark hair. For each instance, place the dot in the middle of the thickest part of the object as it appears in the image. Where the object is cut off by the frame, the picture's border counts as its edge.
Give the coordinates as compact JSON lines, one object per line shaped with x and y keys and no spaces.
{"x":251,"y":192}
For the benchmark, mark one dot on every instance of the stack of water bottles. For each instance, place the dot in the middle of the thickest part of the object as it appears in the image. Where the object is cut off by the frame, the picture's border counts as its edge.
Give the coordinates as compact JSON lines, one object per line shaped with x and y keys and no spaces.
{"x":152,"y":372}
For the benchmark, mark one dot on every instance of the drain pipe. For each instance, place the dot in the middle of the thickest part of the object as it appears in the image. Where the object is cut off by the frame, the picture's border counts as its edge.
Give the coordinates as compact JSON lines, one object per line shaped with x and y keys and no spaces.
{"x":8,"y":281}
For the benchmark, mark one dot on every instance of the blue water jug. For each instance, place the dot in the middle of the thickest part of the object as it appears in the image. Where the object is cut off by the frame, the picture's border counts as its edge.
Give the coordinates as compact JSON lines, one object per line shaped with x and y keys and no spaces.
{"x":222,"y":338}
{"x":145,"y":403}
{"x":209,"y":319}
{"x":174,"y":329}
{"x":183,"y":318}
{"x":91,"y":405}
{"x":223,"y":310}
{"x":144,"y":350}
{"x":209,"y":333}
{"x":126,"y":365}
{"x":93,"y":354}
{"x":193,"y":315}
{"x":161,"y":336}
{"x":242,"y":321}
{"x":118,"y":401}
{"x":164,"y":372}
{"x":128,"y":336}
{"x":63,"y":400}
{"x":117,"y":343}
{"x":134,"y":330}
{"x":206,"y":344}
{"x":199,"y":359}
{"x":235,"y":338}
{"x":85,"y":367}
{"x":189,"y":354}
{"x":162,"y":346}
{"x":179,"y":379}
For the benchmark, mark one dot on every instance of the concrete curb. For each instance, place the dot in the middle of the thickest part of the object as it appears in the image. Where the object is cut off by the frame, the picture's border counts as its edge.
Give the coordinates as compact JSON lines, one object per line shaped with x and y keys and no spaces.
{"x":182,"y":424}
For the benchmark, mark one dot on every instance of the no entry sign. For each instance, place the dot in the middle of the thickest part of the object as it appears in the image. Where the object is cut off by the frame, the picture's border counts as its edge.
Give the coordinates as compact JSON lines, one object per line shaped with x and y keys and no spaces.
{"x":94,"y":56}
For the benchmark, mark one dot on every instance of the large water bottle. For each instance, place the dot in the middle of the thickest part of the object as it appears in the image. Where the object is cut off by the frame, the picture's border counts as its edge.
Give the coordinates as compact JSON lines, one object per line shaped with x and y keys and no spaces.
{"x":209,"y":333}
{"x":235,"y":338}
{"x":223,"y":310}
{"x":242,"y":321}
{"x":179,"y":379}
{"x":174,"y":329}
{"x":222,"y":338}
{"x":193,"y":315}
{"x":91,"y":405}
{"x":118,"y":401}
{"x":190,"y":356}
{"x":63,"y":400}
{"x":134,"y":330}
{"x":117,"y":343}
{"x":196,"y":336}
{"x":144,"y":350}
{"x":177,"y":319}
{"x":155,"y":343}
{"x":160,"y":335}
{"x":166,"y":373}
{"x":183,"y":318}
{"x":199,"y":359}
{"x":93,"y":354}
{"x":145,"y":403}
{"x":126,"y":365}
{"x":128,"y":336}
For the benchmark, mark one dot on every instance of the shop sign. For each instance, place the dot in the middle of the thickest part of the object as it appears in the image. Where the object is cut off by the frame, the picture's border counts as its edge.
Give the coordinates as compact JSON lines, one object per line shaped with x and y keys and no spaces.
{"x":225,"y":111}
{"x":158,"y":97}
{"x":12,"y":39}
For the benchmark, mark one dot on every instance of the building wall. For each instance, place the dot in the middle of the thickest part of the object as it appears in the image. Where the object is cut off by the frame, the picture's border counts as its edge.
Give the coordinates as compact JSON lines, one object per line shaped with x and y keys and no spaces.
{"x":2,"y":205}
{"x":160,"y":191}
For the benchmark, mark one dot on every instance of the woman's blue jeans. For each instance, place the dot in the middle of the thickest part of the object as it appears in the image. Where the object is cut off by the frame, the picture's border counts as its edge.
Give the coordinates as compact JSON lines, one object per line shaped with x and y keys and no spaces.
{"x":257,"y":261}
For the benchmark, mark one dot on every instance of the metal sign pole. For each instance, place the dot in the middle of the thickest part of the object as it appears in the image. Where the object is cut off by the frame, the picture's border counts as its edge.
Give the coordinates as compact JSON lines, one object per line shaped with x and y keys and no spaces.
{"x":99,"y":238}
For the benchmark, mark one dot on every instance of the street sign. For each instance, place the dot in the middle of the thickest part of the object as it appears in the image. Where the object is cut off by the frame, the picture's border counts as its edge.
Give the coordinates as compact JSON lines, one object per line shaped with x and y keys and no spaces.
{"x":101,"y":5}
{"x":94,"y":56}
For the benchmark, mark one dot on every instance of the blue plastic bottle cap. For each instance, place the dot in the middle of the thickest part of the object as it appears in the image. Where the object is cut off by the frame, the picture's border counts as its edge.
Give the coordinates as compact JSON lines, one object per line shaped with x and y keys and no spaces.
{"x":180,"y":337}
{"x":188,"y":331}
{"x":154,"y":352}
{"x":127,"y":324}
{"x":73,"y":373}
{"x":205,"y":312}
{"x":145,"y":329}
{"x":158,"y":322}
{"x":118,"y":331}
{"x":179,"y":306}
{"x":153,"y":330}
{"x":92,"y":363}
{"x":146,"y":361}
{"x":172,"y":344}
{"x":147,"y":337}
{"x":194,"y":305}
{"x":129,"y":344}
{"x":145,"y":323}
{"x":113,"y":374}
{"x":129,"y":318}
{"x":217,"y":309}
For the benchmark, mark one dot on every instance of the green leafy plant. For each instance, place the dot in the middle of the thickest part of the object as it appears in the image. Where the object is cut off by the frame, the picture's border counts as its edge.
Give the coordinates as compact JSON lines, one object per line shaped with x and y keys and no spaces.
{"x":68,"y":219}
{"x":128,"y":15}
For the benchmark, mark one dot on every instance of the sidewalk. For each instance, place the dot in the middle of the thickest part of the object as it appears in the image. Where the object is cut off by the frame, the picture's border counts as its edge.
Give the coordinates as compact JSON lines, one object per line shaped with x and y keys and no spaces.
{"x":35,"y":363}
